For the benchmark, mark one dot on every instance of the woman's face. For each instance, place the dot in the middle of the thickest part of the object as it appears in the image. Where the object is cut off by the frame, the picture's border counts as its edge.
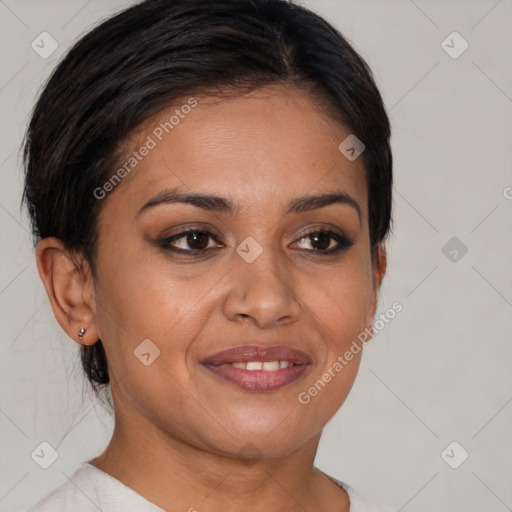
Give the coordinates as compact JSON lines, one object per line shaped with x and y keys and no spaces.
{"x":256,"y":274}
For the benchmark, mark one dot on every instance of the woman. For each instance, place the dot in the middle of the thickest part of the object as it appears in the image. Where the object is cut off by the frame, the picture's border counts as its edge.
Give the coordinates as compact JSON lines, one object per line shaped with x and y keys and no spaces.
{"x":209,"y":185}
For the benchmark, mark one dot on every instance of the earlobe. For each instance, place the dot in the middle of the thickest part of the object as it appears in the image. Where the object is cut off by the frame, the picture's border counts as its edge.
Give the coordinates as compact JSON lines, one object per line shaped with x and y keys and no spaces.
{"x":69,"y":289}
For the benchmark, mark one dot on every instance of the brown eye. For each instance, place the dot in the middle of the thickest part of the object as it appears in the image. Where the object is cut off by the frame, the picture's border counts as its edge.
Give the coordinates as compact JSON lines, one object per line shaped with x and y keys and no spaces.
{"x":321,"y":241}
{"x":197,"y":239}
{"x":191,"y":241}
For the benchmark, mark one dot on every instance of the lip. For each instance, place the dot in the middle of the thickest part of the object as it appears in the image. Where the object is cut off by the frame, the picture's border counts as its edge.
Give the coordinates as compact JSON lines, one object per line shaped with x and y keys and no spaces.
{"x":258,"y":380}
{"x":256,"y":353}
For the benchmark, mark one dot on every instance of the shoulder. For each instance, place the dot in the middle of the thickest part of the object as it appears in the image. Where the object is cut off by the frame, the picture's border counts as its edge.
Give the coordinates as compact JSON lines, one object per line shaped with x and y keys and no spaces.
{"x":357,"y":503}
{"x":89,"y":490}
{"x":79,"y":493}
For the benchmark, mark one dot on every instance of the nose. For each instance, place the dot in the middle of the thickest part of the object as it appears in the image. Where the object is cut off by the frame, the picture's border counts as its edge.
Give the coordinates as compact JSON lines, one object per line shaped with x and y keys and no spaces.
{"x":262,"y":291}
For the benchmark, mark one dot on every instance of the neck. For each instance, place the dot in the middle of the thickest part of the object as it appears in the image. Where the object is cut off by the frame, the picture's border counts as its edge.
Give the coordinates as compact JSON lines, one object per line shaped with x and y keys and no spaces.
{"x":175,"y":475}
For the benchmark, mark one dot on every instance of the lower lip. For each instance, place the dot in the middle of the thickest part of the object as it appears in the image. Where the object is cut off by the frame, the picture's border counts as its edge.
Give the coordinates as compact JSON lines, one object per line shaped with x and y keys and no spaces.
{"x":258,"y":380}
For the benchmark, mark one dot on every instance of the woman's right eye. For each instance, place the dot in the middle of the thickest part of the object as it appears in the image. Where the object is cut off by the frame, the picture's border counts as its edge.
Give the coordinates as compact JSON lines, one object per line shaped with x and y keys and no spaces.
{"x":196,"y":239}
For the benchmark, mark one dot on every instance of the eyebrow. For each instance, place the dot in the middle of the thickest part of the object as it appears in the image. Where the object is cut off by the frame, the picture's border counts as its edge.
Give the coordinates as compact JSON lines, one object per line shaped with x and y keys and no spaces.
{"x":222,"y":205}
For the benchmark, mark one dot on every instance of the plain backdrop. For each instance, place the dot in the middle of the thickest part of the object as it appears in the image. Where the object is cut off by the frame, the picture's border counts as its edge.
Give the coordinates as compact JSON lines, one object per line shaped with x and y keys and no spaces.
{"x":440,"y":372}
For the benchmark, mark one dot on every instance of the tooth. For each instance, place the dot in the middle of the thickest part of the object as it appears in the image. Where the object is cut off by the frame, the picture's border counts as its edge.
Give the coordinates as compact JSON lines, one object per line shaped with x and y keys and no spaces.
{"x":271,"y":366}
{"x":254,"y":365}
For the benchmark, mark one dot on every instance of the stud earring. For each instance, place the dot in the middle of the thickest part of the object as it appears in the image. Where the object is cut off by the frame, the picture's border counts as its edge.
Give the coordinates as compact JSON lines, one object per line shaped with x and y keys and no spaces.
{"x":81,"y":332}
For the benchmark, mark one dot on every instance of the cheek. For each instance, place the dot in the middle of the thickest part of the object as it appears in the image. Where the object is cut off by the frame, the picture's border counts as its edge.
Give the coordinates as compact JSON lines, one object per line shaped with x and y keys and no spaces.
{"x":340,"y":308}
{"x":341,"y":300}
{"x":150,"y":295}
{"x":142,"y":299}
{"x":149,"y":304}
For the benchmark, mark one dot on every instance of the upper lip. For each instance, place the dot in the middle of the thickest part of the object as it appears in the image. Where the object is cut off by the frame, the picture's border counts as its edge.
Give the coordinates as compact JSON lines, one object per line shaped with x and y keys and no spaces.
{"x":245,"y":353}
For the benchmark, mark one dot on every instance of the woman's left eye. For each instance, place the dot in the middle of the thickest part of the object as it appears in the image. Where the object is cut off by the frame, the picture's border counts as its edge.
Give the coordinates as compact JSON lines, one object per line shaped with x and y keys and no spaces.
{"x":197,"y":241}
{"x":322,"y":240}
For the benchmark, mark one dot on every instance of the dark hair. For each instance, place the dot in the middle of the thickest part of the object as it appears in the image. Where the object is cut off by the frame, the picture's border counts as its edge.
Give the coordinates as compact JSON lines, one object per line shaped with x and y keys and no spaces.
{"x":138,"y":62}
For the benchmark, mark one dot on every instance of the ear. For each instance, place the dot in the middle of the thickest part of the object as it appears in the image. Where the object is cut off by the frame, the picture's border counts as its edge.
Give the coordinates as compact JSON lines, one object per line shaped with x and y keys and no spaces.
{"x":70,"y":288}
{"x":379,"y":266}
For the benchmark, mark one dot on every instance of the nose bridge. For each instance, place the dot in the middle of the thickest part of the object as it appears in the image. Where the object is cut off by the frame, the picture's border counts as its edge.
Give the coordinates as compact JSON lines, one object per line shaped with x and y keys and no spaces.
{"x":262,"y":264}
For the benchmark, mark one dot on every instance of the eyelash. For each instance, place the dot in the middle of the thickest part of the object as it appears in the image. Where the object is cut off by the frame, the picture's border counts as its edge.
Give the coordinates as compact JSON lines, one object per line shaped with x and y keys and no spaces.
{"x":342,"y":241}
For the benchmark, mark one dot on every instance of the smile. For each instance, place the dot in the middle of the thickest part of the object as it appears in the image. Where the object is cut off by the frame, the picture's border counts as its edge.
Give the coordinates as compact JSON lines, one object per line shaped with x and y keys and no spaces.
{"x":256,"y":368}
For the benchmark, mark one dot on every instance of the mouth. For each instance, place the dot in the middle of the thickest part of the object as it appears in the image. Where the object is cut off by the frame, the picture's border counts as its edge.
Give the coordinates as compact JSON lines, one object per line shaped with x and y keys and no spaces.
{"x":258,"y":368}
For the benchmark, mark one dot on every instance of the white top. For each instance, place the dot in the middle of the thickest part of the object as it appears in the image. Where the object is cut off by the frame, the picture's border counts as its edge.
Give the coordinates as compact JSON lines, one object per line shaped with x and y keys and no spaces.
{"x":92,"y":490}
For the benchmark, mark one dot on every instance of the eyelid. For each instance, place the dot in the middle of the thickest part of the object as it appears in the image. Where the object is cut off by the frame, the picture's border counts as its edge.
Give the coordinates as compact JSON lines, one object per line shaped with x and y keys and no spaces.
{"x":328,"y":228}
{"x":185,"y":228}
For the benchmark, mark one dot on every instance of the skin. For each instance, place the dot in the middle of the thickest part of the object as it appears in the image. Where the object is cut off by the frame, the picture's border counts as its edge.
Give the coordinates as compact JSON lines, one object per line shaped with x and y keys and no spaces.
{"x":180,"y":432}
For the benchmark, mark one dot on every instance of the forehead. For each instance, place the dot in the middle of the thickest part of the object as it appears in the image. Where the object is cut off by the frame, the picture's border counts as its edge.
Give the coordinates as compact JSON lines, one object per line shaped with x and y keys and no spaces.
{"x":273,"y":142}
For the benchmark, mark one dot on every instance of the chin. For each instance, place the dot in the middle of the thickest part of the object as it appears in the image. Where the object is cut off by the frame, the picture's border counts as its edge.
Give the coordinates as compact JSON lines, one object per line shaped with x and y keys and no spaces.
{"x":252,"y":445}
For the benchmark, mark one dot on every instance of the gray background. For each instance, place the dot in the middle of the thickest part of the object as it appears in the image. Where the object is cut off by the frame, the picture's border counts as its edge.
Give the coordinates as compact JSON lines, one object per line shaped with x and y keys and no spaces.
{"x":439,"y":372}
